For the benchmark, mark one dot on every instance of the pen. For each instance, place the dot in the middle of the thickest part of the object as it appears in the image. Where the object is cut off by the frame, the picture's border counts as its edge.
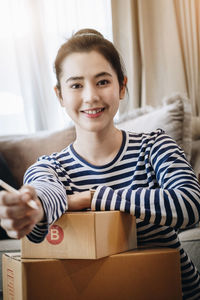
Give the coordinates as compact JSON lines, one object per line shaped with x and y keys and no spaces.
{"x":9,"y":188}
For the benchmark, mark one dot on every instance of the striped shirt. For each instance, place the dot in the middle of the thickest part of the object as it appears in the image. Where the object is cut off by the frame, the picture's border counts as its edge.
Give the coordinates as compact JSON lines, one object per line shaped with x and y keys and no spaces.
{"x":149,"y":178}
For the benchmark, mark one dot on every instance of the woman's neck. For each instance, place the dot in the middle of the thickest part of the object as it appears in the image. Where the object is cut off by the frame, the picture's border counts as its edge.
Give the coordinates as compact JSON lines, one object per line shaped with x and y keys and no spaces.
{"x":98,"y":148}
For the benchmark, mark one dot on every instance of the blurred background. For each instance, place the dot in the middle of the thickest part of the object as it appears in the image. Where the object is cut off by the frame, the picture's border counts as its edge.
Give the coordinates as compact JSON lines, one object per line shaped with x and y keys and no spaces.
{"x":31,"y":32}
{"x":159,"y":41}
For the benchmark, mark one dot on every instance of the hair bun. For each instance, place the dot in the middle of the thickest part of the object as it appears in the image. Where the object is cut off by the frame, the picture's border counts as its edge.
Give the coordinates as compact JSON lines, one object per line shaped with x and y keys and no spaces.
{"x":88,"y":31}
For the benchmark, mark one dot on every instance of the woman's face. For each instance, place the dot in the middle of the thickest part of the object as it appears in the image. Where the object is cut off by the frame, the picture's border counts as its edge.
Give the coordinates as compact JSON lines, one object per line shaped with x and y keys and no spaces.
{"x":90,"y":91}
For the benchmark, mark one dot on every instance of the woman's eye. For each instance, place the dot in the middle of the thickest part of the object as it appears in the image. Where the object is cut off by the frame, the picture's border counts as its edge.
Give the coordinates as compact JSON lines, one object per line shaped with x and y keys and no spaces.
{"x":76,"y":86}
{"x":103,"y":82}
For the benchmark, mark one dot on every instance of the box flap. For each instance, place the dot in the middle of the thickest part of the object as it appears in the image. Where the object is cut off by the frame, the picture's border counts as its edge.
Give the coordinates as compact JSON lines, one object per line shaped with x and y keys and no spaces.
{"x":14,"y":255}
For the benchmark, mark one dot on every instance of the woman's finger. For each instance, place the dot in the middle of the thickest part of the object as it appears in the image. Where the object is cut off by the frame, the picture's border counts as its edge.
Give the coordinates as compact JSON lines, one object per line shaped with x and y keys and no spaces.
{"x":29,"y":196}
{"x":12,"y":234}
{"x":28,"y":190}
{"x":9,"y":199}
{"x":18,"y":234}
{"x":16,"y":225}
{"x":14,"y":212}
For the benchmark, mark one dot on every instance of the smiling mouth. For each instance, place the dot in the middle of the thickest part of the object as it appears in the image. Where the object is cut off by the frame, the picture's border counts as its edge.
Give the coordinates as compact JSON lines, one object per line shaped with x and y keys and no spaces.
{"x":93,"y":111}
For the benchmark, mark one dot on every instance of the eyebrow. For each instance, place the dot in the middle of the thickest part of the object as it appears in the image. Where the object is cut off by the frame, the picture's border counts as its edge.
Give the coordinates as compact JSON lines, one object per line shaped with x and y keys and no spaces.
{"x":74,"y":78}
{"x":103,"y":74}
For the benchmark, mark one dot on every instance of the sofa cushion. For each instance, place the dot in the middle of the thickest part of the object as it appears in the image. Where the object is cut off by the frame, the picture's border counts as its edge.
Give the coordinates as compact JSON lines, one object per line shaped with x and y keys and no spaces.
{"x":190,"y":240}
{"x":23,"y":150}
{"x":174,"y":117}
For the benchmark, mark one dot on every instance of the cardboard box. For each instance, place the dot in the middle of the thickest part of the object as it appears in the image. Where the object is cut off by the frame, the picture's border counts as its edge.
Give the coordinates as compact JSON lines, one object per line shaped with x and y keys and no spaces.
{"x":85,"y":235}
{"x":148,"y":274}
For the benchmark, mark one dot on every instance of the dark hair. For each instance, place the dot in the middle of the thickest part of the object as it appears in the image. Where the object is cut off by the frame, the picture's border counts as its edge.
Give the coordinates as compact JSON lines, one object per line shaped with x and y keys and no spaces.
{"x":86,"y":40}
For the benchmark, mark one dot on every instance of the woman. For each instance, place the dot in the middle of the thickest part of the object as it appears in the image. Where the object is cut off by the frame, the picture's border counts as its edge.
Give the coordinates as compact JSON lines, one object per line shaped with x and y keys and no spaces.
{"x":144,"y":174}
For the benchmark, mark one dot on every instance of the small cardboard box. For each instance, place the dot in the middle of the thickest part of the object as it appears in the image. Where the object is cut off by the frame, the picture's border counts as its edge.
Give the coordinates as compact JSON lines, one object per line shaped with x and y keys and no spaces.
{"x":138,"y":274}
{"x":85,"y":235}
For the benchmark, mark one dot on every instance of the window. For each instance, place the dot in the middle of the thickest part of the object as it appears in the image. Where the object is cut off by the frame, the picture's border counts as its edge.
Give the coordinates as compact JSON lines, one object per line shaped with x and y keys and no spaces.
{"x":31,"y":31}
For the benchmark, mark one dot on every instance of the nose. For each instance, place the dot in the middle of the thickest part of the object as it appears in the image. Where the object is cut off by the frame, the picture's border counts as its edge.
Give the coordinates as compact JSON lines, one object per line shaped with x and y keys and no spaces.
{"x":90,"y":93}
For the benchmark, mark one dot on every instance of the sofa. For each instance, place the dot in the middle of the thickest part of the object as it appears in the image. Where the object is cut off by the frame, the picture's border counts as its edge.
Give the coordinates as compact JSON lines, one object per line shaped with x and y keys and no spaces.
{"x":174,"y":116}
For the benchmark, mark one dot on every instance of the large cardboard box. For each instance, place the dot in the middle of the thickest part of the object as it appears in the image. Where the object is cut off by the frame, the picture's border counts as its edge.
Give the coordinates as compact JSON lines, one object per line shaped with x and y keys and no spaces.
{"x":149,"y":274}
{"x":85,"y":235}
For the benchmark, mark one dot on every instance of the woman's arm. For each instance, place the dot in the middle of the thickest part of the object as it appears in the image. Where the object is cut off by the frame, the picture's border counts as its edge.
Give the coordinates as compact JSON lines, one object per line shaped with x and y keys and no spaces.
{"x":43,"y":176}
{"x":176,"y":201}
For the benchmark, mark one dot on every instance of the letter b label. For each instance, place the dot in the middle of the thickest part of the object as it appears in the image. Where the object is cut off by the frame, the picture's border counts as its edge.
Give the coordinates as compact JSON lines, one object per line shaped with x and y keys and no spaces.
{"x":55,"y":235}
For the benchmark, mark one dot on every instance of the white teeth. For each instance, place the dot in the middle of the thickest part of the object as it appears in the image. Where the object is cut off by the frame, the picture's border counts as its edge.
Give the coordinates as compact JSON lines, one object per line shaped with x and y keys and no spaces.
{"x":93,"y":112}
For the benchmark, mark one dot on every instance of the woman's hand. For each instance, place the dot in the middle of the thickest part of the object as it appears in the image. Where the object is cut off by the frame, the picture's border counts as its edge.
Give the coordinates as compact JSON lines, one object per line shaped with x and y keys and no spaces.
{"x":17,"y":217}
{"x":79,"y":201}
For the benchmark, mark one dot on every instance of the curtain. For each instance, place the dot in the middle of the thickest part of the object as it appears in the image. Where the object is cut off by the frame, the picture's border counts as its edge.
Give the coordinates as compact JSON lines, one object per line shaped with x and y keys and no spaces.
{"x":160,"y":41}
{"x":31,"y":31}
{"x":126,"y":40}
{"x":188,"y":22}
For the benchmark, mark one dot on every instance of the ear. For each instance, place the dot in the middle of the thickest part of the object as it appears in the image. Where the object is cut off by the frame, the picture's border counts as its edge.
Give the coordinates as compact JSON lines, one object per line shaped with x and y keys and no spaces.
{"x":123,"y":88}
{"x":58,"y":94}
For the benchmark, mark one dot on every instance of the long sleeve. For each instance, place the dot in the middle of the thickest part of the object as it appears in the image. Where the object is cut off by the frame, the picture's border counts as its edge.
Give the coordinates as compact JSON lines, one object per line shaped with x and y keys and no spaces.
{"x":44,"y":177}
{"x":173,"y":200}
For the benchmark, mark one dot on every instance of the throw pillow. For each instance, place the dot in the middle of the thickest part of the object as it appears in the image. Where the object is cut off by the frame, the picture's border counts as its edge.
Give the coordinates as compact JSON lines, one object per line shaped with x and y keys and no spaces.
{"x":174,"y":117}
